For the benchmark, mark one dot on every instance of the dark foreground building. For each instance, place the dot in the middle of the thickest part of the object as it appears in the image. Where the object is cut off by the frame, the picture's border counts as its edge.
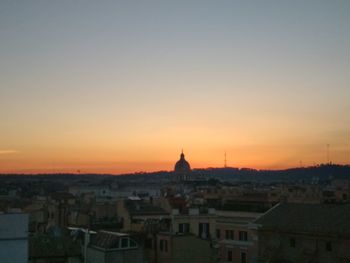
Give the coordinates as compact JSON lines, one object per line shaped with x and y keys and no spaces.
{"x":297,"y":233}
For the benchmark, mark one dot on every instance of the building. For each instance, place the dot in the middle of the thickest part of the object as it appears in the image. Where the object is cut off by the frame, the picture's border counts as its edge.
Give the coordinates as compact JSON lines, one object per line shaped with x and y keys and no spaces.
{"x":182,"y":169}
{"x":236,"y":241}
{"x":179,"y":248}
{"x":240,"y":198}
{"x":189,"y":237}
{"x":297,"y":233}
{"x":38,"y":215}
{"x":302,"y":193}
{"x":14,"y":238}
{"x":110,"y":247}
{"x":134,"y":213}
{"x":54,"y":249}
{"x":337,"y":192}
{"x":200,"y":223}
{"x":59,"y":205}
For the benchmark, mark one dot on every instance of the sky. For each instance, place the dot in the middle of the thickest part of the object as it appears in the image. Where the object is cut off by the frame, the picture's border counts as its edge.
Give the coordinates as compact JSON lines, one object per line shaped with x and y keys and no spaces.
{"x":123,"y":86}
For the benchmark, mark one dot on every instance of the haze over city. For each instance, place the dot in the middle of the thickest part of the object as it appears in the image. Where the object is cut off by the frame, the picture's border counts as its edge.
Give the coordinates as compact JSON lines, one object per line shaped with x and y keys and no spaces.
{"x":122,"y":87}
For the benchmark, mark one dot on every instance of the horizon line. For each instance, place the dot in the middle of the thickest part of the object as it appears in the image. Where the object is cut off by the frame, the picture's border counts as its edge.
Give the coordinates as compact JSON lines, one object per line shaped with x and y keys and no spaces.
{"x":77,"y":172}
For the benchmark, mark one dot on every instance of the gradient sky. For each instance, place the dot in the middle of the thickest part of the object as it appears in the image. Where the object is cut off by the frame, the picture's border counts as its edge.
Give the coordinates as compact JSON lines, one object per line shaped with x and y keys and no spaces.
{"x":122,"y":86}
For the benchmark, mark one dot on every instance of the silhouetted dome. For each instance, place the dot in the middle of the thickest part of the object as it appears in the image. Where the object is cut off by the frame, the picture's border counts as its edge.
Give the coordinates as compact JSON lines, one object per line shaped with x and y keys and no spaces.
{"x":182,"y":166}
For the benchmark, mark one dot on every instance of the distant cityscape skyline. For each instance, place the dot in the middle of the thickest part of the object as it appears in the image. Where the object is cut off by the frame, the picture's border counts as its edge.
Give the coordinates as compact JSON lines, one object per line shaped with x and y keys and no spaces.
{"x":167,"y":167}
{"x":119,"y":87}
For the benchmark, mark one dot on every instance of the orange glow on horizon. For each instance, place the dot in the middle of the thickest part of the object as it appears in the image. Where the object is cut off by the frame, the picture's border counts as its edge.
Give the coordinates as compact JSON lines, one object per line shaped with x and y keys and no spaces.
{"x":119,"y":164}
{"x":147,"y":147}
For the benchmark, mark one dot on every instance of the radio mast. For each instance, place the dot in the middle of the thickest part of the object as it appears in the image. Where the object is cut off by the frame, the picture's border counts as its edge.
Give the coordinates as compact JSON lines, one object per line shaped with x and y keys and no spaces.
{"x":225,"y":164}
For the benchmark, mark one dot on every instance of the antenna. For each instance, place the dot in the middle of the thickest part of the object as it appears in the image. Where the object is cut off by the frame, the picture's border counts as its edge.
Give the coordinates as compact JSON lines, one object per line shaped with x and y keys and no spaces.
{"x":225,"y":164}
{"x":328,"y":159}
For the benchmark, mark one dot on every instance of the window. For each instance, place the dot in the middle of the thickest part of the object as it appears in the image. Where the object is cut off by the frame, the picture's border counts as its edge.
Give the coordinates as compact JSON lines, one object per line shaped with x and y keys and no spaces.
{"x":166,"y":245}
{"x":292,"y":242}
{"x":115,"y":243}
{"x":163,"y":245}
{"x":148,"y":243}
{"x":229,"y":255}
{"x":243,"y":257}
{"x":218,"y":233}
{"x":181,"y":228}
{"x":184,"y":228}
{"x":203,"y":230}
{"x":125,"y":242}
{"x":229,"y":234}
{"x":329,"y":246}
{"x":133,"y":243}
{"x":243,"y":235}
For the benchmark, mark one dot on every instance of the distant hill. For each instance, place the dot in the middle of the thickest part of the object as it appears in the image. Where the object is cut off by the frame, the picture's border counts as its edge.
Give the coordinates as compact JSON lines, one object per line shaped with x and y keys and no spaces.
{"x":322,"y":172}
{"x":319,"y":173}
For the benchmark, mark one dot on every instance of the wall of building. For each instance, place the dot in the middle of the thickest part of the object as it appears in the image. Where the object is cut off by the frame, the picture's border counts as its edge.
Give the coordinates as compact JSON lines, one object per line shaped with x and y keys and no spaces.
{"x":14,"y":238}
{"x":194,"y":221}
{"x":124,"y":215}
{"x":278,"y":246}
{"x":165,"y":253}
{"x":232,"y":223}
{"x":191,"y":249}
{"x":95,"y":255}
{"x":182,"y":249}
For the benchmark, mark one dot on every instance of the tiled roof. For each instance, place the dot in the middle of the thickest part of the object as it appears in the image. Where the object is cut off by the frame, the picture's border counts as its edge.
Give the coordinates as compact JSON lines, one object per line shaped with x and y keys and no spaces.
{"x":142,"y":208}
{"x":317,"y":219}
{"x":106,"y":240}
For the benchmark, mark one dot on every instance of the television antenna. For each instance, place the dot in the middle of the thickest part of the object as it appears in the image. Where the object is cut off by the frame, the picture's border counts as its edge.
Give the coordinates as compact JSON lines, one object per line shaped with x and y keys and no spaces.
{"x":327,"y":149}
{"x":225,"y":161}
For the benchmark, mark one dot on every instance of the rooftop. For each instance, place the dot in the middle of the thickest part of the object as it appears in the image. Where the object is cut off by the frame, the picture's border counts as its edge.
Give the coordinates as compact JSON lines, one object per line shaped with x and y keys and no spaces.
{"x":317,"y":219}
{"x":112,"y":240}
{"x":142,"y":208}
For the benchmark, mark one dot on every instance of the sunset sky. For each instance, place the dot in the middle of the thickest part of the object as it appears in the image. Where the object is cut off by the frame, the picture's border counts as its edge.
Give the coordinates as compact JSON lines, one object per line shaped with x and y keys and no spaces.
{"x":123,"y":86}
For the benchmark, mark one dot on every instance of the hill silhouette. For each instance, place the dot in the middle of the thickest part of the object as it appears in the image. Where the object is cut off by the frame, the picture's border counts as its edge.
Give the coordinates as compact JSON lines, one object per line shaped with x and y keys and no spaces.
{"x":319,"y":173}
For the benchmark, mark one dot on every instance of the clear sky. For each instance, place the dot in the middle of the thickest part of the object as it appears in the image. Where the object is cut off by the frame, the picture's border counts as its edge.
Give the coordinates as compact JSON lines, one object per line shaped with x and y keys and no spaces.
{"x":122,"y":86}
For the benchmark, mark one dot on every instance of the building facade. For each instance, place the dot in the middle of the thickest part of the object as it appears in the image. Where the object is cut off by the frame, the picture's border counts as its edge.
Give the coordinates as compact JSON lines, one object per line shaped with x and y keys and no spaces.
{"x":237,"y":242}
{"x":297,"y":233}
{"x":14,"y":238}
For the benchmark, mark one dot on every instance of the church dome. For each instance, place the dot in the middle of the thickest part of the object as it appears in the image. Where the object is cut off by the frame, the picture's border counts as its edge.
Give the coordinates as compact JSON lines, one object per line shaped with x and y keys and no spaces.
{"x":182,"y":166}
